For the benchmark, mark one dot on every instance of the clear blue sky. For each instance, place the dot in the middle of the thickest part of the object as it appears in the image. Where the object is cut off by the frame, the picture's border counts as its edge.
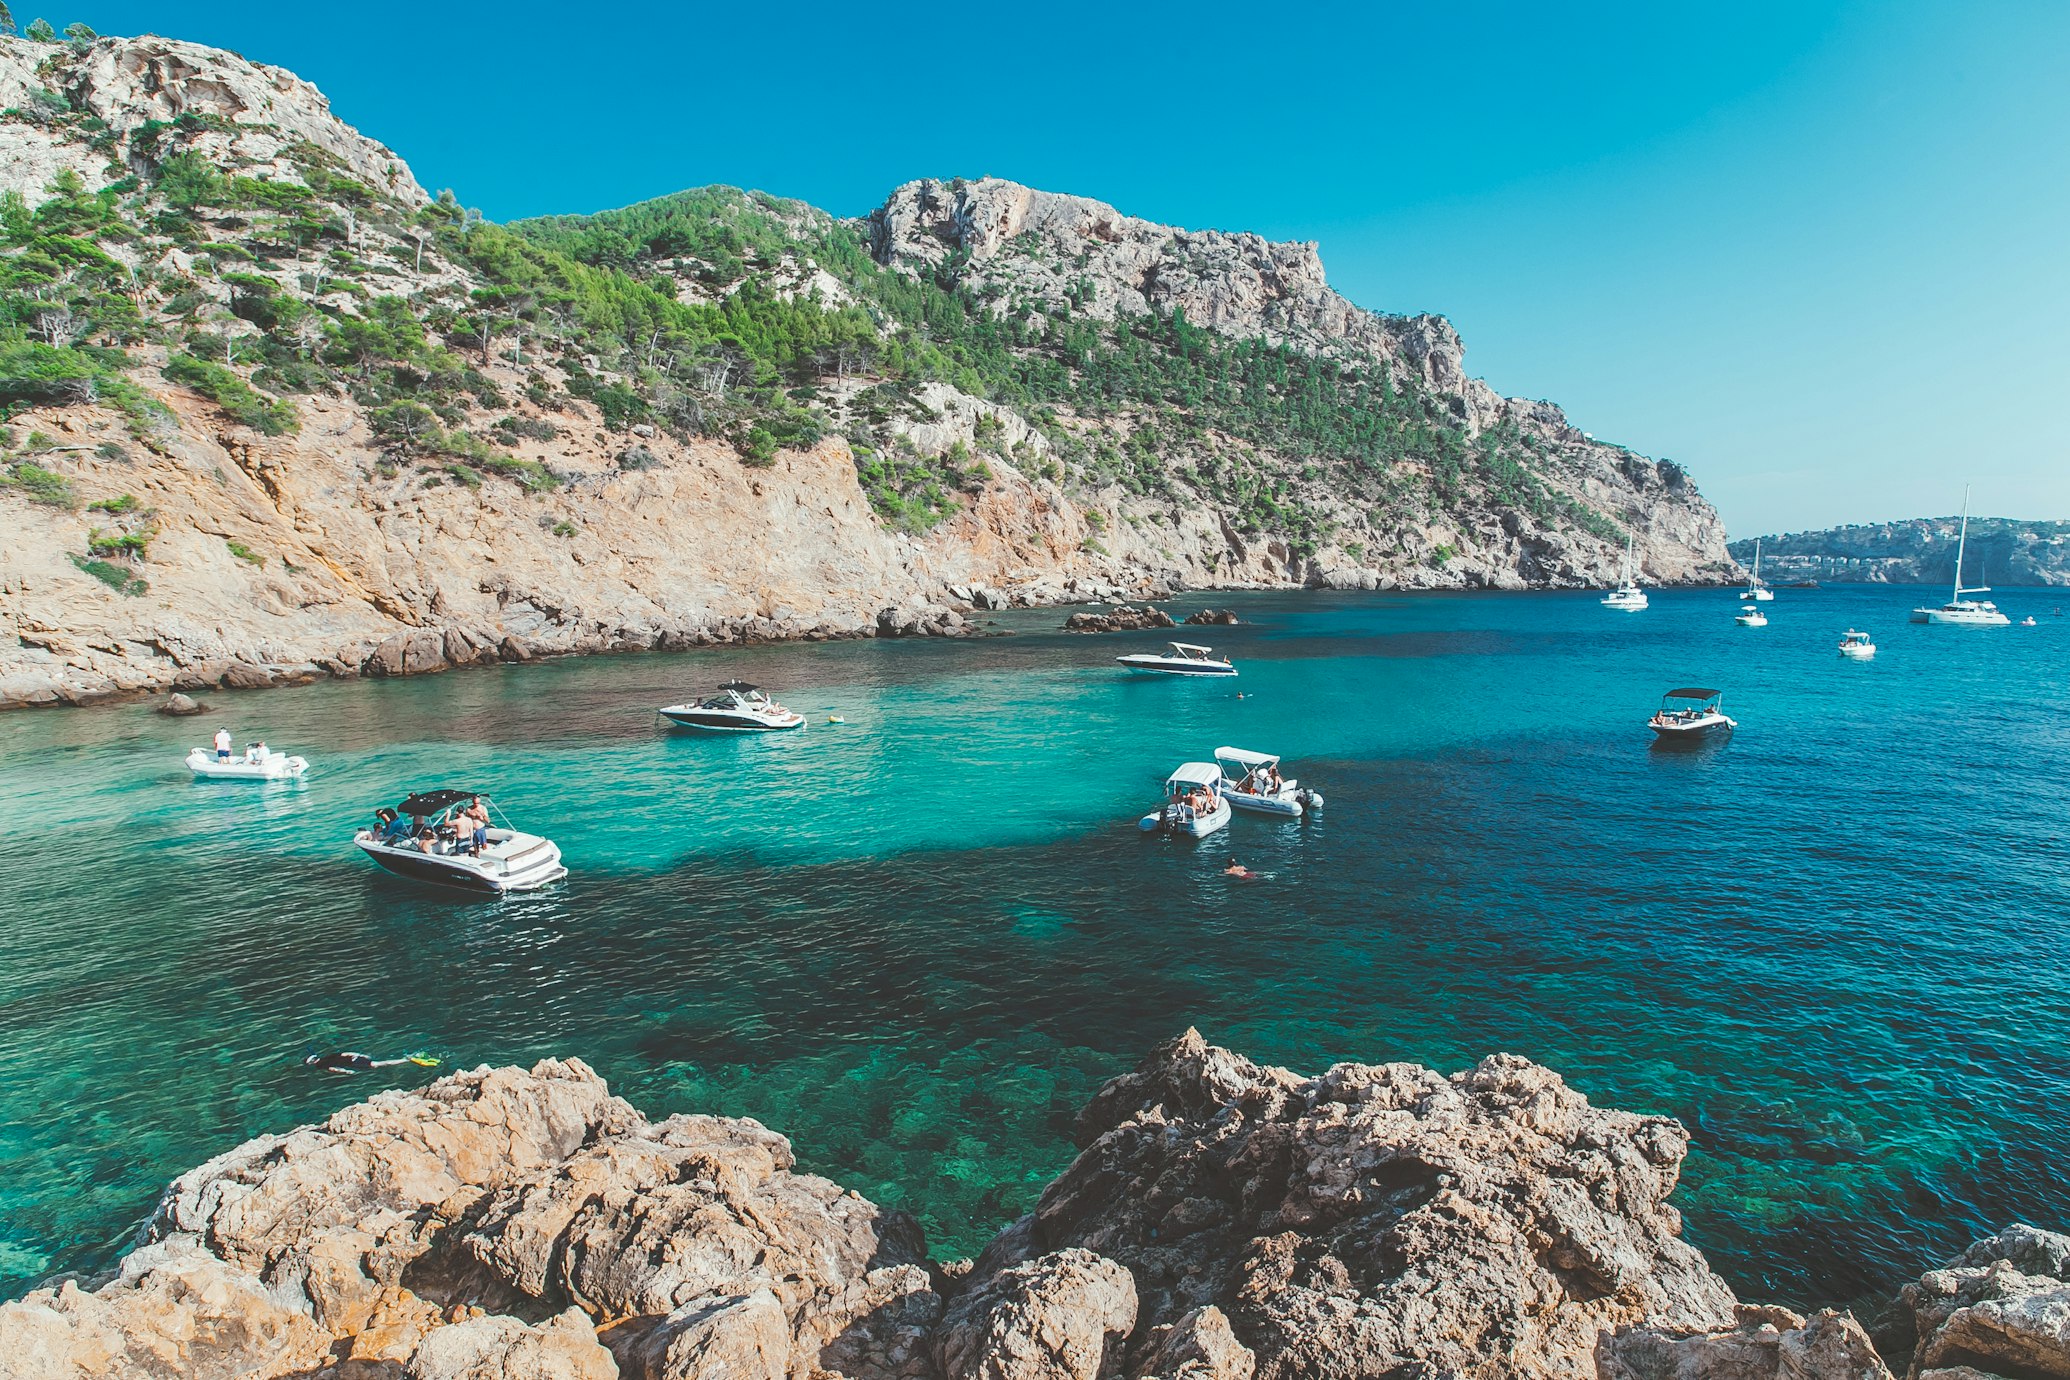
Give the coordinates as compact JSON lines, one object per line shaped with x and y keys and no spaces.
{"x":1817,"y":252}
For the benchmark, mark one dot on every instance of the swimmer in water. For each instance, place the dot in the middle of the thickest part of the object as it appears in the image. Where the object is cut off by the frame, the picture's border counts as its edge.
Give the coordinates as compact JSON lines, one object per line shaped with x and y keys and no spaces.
{"x":350,"y":1061}
{"x":1238,"y":870}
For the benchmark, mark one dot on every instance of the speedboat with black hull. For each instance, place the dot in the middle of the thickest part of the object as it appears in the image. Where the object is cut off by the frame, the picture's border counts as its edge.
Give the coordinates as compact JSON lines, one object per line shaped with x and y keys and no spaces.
{"x":1178,"y":659}
{"x":1690,"y":715}
{"x":434,"y":836}
{"x":1194,"y":803}
{"x":737,"y":708}
{"x":1251,"y":781}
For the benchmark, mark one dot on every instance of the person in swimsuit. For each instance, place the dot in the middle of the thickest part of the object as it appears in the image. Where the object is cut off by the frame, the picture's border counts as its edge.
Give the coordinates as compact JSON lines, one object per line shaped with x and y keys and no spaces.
{"x":222,"y":745}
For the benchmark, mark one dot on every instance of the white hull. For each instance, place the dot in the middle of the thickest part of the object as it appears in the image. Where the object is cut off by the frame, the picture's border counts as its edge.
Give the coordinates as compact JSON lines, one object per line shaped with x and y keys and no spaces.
{"x":1191,"y":825}
{"x":1146,"y":664}
{"x":1750,"y":620}
{"x":1692,"y":729}
{"x":1758,"y":596}
{"x":1626,"y":600}
{"x":511,"y":862}
{"x":1958,"y":616}
{"x":1288,"y":803}
{"x":730,"y":721}
{"x":278,"y":766}
{"x":1858,"y":651}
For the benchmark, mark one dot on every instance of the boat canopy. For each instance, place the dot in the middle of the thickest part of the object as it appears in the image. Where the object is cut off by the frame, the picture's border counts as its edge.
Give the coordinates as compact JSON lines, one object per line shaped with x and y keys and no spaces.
{"x":1196,"y":774}
{"x":1692,"y":692}
{"x":1249,"y":759}
{"x":424,"y":804}
{"x":742,"y":686}
{"x":1191,"y":647}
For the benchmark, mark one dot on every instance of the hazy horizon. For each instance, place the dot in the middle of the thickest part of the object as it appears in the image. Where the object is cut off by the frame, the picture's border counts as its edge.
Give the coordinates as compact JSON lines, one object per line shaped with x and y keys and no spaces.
{"x":1812,"y":253}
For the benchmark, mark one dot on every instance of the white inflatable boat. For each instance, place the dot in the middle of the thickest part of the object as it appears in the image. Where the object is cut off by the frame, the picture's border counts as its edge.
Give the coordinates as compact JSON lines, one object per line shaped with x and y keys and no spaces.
{"x":1193,"y":803}
{"x":1251,"y":781}
{"x":255,"y":763}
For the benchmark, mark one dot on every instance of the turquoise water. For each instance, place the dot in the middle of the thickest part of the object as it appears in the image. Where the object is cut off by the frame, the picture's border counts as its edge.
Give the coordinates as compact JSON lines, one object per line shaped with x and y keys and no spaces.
{"x":916,"y":941}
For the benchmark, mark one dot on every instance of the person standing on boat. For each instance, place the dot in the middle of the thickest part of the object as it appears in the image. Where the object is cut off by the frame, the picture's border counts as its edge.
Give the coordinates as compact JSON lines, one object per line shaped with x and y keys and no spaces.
{"x":477,"y":814}
{"x":222,"y":745}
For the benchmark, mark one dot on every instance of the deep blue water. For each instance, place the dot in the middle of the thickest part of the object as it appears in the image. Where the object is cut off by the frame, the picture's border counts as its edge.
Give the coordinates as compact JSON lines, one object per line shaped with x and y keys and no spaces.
{"x":916,"y":941}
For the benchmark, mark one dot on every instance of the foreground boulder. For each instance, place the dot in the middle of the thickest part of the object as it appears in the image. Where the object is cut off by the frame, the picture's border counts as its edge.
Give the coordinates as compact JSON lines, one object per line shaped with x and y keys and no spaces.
{"x":1764,"y":1344}
{"x":1379,"y":1219}
{"x":2001,"y":1308}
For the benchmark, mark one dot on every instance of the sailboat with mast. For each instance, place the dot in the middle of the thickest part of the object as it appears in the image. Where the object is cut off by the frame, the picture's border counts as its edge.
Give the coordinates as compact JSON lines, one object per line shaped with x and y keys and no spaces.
{"x":1970,"y":613}
{"x":1756,"y":592}
{"x":1627,"y":596}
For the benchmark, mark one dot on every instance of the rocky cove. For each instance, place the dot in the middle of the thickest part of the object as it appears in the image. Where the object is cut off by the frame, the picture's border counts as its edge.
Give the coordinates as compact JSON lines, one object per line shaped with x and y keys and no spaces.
{"x":1222,"y":1221}
{"x":275,"y":412}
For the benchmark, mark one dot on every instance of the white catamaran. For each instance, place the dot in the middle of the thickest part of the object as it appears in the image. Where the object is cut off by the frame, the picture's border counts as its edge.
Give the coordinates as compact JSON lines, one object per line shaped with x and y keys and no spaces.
{"x":1627,"y":596}
{"x":1755,"y":590}
{"x":1970,"y":613}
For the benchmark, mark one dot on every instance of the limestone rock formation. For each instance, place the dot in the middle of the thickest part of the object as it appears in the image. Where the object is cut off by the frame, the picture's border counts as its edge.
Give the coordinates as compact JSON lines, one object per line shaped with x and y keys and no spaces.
{"x":2001,"y":1308}
{"x":1373,"y":1218}
{"x":1765,"y":1343}
{"x":1120,"y":618}
{"x":1064,"y":1316}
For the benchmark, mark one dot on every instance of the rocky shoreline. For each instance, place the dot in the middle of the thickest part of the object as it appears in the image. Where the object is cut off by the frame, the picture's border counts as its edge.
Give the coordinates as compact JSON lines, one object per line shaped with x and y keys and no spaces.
{"x":1222,"y":1221}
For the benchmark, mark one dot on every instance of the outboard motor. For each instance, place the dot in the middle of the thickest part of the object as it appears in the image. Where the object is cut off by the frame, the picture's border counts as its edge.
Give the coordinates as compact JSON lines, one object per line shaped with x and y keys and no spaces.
{"x":1310,"y":800}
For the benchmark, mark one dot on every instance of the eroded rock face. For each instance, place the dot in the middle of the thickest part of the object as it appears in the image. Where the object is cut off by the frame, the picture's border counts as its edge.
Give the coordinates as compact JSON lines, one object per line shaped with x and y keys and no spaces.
{"x":1764,"y":1344}
{"x":1120,"y":618}
{"x":2001,"y":1308}
{"x":1063,"y":1316}
{"x":1380,"y":1217}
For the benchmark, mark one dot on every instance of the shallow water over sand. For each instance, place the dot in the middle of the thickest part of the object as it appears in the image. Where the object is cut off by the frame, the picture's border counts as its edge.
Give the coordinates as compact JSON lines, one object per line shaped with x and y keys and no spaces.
{"x":917,"y":940}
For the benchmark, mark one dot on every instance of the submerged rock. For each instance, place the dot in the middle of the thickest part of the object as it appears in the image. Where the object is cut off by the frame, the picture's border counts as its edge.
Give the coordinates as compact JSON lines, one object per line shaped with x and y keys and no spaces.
{"x":179,"y":706}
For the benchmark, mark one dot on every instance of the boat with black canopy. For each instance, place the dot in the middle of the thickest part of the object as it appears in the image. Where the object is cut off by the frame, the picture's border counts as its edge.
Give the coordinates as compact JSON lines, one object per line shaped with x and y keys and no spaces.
{"x":434,"y":836}
{"x":1690,"y":714}
{"x":737,"y":707}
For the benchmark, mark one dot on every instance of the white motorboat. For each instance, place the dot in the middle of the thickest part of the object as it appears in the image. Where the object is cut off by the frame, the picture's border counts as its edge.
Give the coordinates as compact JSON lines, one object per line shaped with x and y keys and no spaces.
{"x":1178,"y":659}
{"x":1856,"y":645}
{"x":257,"y":763}
{"x":2028,"y":621}
{"x":1194,"y":803}
{"x":737,"y":708}
{"x":1750,"y":616}
{"x":427,"y":839}
{"x":1627,"y":597}
{"x":1958,"y":611}
{"x":1251,"y":781}
{"x":1756,"y":592}
{"x":1690,"y":715}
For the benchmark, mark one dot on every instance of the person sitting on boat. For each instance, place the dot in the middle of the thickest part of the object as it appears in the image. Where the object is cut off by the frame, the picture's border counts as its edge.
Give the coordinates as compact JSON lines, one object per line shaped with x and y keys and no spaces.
{"x":394,"y":828}
{"x":222,"y":745}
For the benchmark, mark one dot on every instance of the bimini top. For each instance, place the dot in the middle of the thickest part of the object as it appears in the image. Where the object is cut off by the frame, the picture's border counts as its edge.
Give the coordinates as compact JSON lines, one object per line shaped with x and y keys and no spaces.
{"x":1249,"y":759}
{"x":1692,"y":692}
{"x":1196,"y":774}
{"x":1191,"y":647}
{"x":427,"y":803}
{"x":742,"y":686}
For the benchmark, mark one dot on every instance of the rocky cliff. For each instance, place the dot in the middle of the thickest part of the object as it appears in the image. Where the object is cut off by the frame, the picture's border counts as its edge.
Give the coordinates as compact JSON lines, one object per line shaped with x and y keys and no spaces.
{"x":1223,"y":1221}
{"x":2000,"y":551}
{"x":272,"y":412}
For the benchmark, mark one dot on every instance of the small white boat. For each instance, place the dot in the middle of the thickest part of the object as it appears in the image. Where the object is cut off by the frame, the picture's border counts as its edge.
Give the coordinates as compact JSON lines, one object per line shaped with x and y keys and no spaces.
{"x":426,"y":839}
{"x":2028,"y":621}
{"x":257,"y":763}
{"x":1178,"y":659}
{"x":1958,"y":611}
{"x":1251,"y":781}
{"x":1856,"y":645}
{"x":737,"y":708}
{"x":1750,"y":616}
{"x":1756,"y":592}
{"x":1194,"y":803}
{"x":1627,"y":597}
{"x":1690,"y":714}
